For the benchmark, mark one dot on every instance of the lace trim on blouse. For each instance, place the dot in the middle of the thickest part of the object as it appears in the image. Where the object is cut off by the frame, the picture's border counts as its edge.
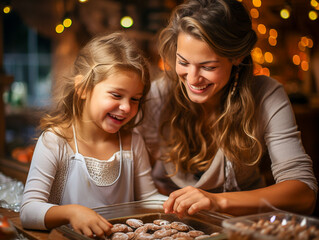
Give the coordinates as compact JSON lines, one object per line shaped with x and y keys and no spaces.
{"x":105,"y":172}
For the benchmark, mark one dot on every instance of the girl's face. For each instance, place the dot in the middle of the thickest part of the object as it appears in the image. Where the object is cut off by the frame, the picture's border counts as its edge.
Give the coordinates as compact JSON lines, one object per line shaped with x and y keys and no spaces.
{"x":114,"y":101}
{"x":201,"y":70}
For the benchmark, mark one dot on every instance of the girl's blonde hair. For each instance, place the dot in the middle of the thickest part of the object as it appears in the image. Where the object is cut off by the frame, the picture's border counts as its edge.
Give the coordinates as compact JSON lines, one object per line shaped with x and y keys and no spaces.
{"x":194,"y":137}
{"x":99,"y":58}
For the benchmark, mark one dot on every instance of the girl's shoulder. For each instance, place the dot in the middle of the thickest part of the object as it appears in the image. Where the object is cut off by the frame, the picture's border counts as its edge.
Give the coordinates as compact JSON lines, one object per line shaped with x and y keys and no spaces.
{"x":52,"y":137}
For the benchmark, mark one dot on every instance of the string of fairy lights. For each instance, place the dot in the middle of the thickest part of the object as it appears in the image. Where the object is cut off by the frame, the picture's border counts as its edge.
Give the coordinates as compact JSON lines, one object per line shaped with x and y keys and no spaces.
{"x":261,"y":57}
{"x":126,"y":21}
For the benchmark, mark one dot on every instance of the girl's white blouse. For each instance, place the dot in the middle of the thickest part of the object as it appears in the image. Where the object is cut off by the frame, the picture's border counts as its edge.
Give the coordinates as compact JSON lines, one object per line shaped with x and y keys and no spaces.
{"x":49,"y":170}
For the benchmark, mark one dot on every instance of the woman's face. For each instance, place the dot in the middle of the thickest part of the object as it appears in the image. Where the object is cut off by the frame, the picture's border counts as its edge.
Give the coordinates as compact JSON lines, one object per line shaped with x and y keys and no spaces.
{"x":201,"y":70}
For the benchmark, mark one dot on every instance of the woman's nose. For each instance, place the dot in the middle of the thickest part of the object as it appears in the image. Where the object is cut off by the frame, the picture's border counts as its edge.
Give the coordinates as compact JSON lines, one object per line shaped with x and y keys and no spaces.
{"x":193,"y":75}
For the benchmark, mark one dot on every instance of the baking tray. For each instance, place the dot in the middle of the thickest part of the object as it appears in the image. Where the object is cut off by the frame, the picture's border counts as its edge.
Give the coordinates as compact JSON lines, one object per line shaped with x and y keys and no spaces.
{"x":149,"y":210}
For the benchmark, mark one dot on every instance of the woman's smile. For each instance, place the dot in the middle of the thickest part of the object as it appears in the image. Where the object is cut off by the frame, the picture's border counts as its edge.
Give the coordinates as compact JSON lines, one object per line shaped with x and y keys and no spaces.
{"x":202,"y":71}
{"x":198,"y":88}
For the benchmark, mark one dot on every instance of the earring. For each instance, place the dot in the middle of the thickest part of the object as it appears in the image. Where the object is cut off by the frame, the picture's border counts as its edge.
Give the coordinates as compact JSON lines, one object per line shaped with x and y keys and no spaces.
{"x":235,"y":83}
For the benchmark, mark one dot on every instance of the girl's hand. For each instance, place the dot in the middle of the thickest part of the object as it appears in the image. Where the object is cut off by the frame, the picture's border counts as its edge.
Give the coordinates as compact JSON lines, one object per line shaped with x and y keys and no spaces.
{"x":86,"y":221}
{"x":190,"y":200}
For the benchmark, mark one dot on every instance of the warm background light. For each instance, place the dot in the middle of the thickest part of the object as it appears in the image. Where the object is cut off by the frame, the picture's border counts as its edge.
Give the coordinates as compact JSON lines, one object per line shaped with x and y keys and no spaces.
{"x":67,"y":22}
{"x":7,"y":9}
{"x":273,"y":33}
{"x":313,"y":15}
{"x":254,"y":13}
{"x":284,"y":13}
{"x":304,"y":66}
{"x":261,"y":28}
{"x":126,"y":22}
{"x":296,"y":59}
{"x":268,"y":57}
{"x":59,"y":28}
{"x":257,"y":3}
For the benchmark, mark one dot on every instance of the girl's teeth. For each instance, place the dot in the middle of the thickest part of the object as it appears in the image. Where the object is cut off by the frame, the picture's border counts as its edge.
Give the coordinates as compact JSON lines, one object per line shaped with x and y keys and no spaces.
{"x":199,"y":88}
{"x":116,"y":117}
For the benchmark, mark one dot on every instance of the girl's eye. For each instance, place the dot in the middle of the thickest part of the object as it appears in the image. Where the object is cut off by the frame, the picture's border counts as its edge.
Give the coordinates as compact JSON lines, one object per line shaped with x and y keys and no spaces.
{"x":136,"y":99}
{"x":116,"y":95}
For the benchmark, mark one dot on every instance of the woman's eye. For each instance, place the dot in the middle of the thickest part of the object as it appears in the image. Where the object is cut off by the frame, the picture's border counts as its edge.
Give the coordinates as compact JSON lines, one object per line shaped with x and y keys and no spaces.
{"x":208,"y":68}
{"x":182,"y":63}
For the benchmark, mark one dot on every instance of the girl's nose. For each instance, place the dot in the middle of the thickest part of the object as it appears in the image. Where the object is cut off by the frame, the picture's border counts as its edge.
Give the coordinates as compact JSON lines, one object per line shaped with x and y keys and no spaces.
{"x":125,"y":106}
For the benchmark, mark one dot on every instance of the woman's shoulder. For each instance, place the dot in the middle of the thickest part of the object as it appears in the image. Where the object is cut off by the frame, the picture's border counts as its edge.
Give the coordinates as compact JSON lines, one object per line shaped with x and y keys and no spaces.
{"x":264,"y":87}
{"x":159,"y":87}
{"x":136,"y":137}
{"x":265,"y":83}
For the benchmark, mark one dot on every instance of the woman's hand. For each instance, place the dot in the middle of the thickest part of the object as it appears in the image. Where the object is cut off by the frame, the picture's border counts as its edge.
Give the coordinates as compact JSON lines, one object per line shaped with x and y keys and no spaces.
{"x":86,"y":221}
{"x":190,"y":200}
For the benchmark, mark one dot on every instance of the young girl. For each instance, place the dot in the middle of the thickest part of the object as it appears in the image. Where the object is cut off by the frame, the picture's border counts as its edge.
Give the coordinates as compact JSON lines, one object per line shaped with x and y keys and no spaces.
{"x":87,"y":155}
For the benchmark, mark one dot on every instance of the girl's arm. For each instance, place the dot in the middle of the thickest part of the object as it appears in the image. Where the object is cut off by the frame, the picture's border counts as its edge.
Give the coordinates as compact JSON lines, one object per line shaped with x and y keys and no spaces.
{"x":42,"y":172}
{"x":36,"y":212}
{"x":291,"y":195}
{"x":82,"y":219}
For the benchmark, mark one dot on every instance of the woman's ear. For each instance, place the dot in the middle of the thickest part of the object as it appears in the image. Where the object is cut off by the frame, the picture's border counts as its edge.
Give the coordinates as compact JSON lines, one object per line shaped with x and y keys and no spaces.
{"x":80,"y":92}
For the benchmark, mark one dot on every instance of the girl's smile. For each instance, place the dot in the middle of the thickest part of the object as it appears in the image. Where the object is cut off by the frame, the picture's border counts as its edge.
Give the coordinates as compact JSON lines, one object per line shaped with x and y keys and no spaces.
{"x":114,"y":101}
{"x":116,"y":119}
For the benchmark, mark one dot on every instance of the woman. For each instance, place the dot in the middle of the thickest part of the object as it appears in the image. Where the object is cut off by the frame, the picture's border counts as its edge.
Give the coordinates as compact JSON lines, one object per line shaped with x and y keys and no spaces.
{"x":210,"y":121}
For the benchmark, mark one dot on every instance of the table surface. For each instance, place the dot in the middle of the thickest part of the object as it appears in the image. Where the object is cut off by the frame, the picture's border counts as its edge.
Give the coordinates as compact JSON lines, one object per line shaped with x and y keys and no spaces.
{"x":30,"y":234}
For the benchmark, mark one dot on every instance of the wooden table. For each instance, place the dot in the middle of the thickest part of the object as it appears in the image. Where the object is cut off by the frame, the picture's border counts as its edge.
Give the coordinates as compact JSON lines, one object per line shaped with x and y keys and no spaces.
{"x":31,"y":234}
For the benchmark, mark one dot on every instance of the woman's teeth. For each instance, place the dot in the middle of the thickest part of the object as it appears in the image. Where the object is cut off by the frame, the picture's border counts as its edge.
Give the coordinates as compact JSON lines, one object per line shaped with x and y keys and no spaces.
{"x":199,"y":87}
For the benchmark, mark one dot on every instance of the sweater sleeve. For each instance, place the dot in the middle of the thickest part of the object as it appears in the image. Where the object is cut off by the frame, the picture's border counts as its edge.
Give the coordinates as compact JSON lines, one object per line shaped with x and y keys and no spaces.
{"x":40,"y":178}
{"x":144,"y":186}
{"x":282,"y":138}
{"x":149,"y":128}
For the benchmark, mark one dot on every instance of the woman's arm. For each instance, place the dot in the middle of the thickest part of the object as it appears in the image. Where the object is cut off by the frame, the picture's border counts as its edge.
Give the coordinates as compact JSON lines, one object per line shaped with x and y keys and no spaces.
{"x":143,"y":182}
{"x":292,"y":195}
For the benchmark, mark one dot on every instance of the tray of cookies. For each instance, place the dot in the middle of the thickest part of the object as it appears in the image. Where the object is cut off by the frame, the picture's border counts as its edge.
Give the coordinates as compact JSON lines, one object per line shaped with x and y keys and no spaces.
{"x":272,"y":226}
{"x":147,"y":220}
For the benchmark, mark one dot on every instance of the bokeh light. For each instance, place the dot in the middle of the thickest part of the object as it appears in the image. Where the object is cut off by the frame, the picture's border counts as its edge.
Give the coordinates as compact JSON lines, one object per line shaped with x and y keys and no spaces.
{"x":7,"y":9}
{"x":67,"y":22}
{"x":59,"y":28}
{"x":126,"y":22}
{"x":284,"y":13}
